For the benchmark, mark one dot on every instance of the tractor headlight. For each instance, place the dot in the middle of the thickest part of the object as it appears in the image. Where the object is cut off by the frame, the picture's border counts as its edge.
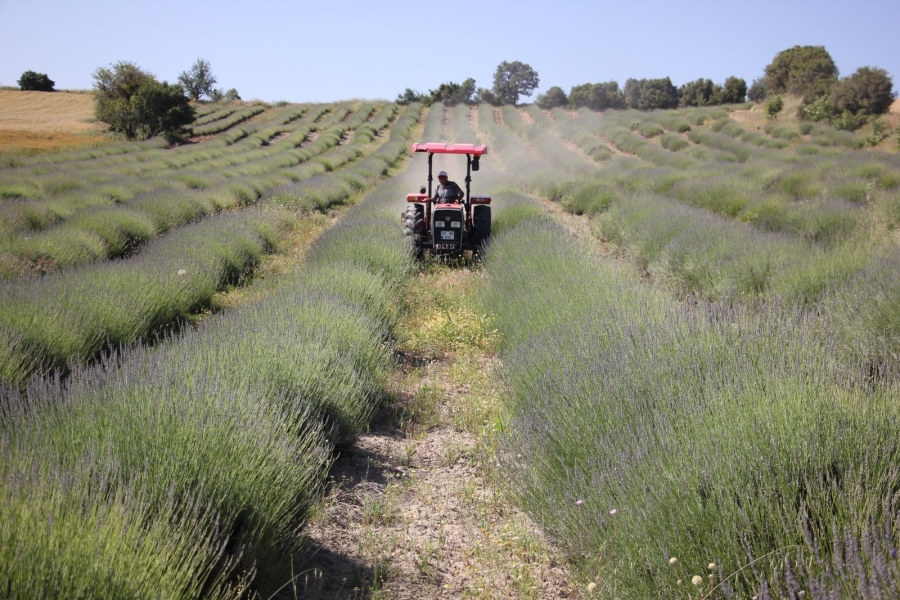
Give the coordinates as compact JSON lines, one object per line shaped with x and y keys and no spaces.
{"x":439,"y":223}
{"x":456,"y":224}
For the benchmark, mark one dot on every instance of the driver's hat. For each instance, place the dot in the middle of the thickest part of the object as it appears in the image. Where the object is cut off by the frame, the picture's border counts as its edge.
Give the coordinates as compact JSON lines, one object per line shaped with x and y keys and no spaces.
{"x":442,"y":174}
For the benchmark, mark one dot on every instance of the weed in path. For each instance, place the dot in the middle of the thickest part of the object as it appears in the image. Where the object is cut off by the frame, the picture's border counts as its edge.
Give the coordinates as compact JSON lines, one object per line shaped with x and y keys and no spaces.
{"x":420,"y":412}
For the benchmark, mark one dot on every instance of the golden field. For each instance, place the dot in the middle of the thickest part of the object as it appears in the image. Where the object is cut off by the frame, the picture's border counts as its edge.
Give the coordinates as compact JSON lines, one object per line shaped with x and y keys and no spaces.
{"x":38,"y":122}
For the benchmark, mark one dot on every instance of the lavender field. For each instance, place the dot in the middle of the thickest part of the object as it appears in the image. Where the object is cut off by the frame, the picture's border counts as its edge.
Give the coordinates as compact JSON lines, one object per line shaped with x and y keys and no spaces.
{"x":702,"y":399}
{"x":179,"y":462}
{"x":698,"y":324}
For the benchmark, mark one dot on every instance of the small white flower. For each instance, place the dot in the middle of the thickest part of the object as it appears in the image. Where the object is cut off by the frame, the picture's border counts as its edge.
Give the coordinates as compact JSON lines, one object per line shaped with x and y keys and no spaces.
{"x":673,"y":560}
{"x":578,"y":502}
{"x":712,"y":566}
{"x":613,"y":511}
{"x":697,"y":580}
{"x":182,"y":272}
{"x":591,"y":587}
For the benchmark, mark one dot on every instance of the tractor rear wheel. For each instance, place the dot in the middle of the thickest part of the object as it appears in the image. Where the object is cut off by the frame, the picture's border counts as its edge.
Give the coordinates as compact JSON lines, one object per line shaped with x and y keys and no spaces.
{"x":414,"y":226}
{"x":481,"y":223}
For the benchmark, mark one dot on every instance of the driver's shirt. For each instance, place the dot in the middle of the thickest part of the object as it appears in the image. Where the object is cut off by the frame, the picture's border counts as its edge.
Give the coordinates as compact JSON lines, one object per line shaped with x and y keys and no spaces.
{"x":448,"y":193}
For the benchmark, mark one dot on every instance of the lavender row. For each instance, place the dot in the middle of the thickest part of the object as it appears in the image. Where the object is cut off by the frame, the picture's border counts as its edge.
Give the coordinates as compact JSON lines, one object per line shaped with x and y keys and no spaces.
{"x":657,"y":441}
{"x":69,"y":316}
{"x":208,"y":448}
{"x":111,"y":231}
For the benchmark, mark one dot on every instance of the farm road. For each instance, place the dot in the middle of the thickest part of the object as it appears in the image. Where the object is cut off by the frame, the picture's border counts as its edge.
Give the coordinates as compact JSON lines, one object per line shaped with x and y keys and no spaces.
{"x":413,"y":510}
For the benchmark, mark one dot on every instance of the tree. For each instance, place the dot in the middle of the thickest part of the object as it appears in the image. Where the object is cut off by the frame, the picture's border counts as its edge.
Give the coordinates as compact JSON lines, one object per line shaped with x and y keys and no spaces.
{"x":35,"y":82}
{"x":734,"y":91}
{"x":702,"y":92}
{"x":647,"y":94}
{"x":451,"y":93}
{"x":486,"y":96}
{"x":597,"y":96}
{"x":132,"y":102}
{"x":806,"y":71}
{"x":773,"y":106}
{"x":659,"y":93}
{"x":869,"y":91}
{"x":409,"y":95}
{"x":632,"y":92}
{"x":514,"y":79}
{"x":198,"y":81}
{"x":232,"y":95}
{"x":614,"y":96}
{"x":757,"y":91}
{"x":552,"y":98}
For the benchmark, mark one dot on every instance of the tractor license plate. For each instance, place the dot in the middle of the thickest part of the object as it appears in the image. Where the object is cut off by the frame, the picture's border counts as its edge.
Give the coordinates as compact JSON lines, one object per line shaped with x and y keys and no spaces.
{"x":447,"y":235}
{"x":445,"y":246}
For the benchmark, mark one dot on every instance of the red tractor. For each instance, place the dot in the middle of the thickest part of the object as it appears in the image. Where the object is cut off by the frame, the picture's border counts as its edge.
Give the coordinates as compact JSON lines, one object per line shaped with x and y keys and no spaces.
{"x":448,"y":228}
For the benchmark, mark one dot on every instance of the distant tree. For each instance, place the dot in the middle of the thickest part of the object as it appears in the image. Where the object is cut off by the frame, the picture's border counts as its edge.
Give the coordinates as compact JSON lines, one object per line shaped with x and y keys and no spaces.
{"x":773,"y":106}
{"x":614,"y":96}
{"x":451,"y":93}
{"x":35,"y":82}
{"x":467,"y":91}
{"x":232,"y":95}
{"x":132,"y":102}
{"x":552,"y":98}
{"x":734,"y":91}
{"x":702,"y":92}
{"x":647,"y":94}
{"x":409,"y":95}
{"x":198,"y":81}
{"x":486,"y":96}
{"x":806,"y":71}
{"x":869,"y":91}
{"x":217,"y":95}
{"x":597,"y":96}
{"x":581,"y":96}
{"x":659,"y":93}
{"x":632,"y":92}
{"x":514,"y":79}
{"x":757,"y":91}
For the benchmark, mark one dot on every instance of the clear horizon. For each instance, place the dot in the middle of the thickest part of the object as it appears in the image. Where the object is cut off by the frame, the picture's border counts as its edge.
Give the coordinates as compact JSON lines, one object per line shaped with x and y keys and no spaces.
{"x":317,"y":52}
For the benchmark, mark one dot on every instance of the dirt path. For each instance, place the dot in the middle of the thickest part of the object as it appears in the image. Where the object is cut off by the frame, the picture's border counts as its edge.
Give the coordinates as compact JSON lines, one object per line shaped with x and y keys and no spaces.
{"x":413,"y":510}
{"x":447,"y":122}
{"x":310,"y":138}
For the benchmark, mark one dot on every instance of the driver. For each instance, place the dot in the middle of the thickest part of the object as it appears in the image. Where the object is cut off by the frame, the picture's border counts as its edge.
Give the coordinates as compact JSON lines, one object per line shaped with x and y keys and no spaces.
{"x":447,"y":191}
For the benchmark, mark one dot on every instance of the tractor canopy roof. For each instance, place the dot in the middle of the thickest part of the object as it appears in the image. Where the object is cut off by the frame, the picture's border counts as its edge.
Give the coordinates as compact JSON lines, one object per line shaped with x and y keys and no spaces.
{"x":438,"y":148}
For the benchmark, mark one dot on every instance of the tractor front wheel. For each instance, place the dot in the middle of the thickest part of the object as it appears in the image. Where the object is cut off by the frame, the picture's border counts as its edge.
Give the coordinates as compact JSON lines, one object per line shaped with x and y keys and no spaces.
{"x":414,"y":226}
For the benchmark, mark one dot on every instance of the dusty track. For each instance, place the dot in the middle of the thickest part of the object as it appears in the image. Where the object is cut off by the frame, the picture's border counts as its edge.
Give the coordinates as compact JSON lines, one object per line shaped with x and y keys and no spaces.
{"x":413,"y":510}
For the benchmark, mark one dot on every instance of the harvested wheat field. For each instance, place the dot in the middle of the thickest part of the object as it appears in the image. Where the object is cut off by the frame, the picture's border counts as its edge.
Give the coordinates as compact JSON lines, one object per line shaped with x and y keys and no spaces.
{"x":38,"y":122}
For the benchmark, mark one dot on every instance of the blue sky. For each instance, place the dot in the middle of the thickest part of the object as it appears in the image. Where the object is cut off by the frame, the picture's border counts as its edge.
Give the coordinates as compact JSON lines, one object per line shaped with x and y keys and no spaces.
{"x":335,"y":50}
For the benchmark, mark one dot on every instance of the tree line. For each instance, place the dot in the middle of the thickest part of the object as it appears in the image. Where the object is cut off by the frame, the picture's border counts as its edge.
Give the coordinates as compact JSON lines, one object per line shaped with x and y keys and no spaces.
{"x":511,"y":80}
{"x":806,"y":71}
{"x":645,"y":94}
